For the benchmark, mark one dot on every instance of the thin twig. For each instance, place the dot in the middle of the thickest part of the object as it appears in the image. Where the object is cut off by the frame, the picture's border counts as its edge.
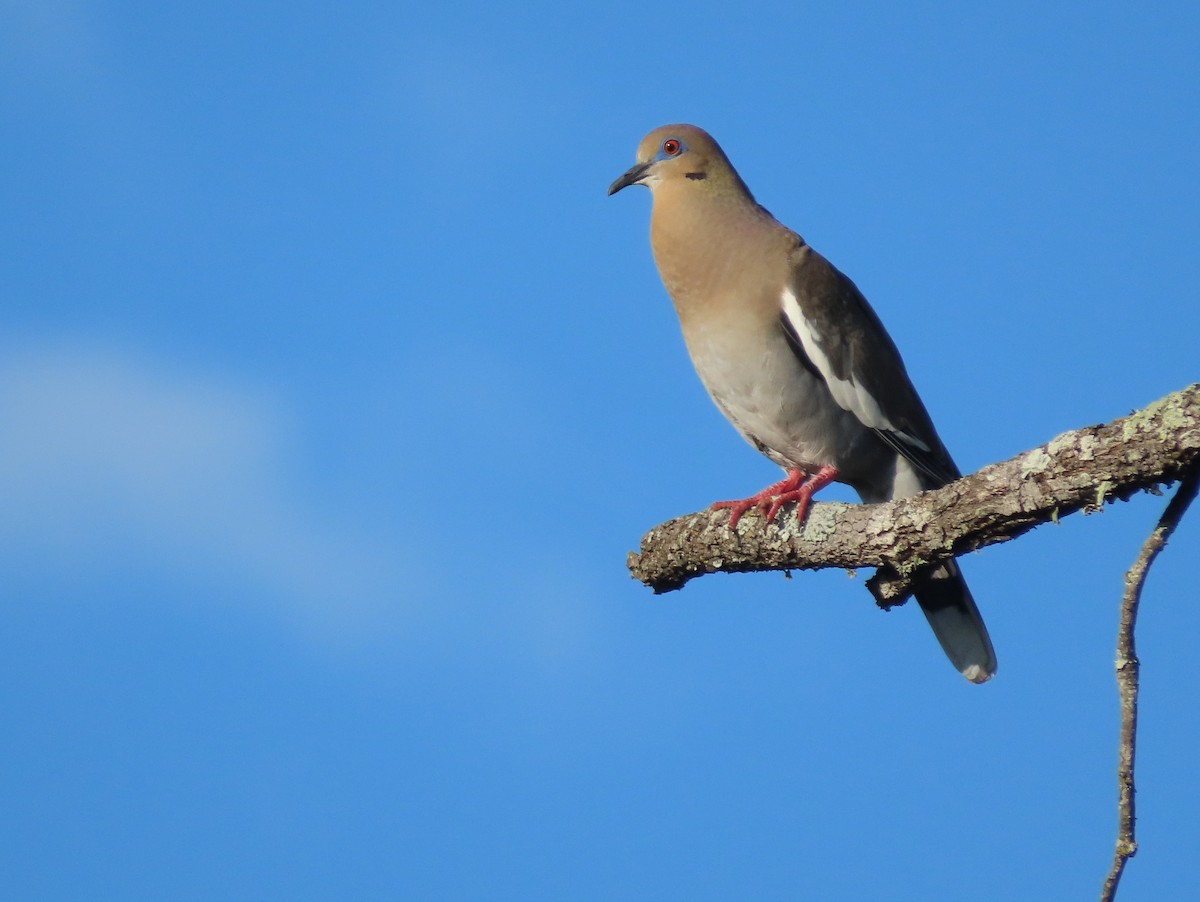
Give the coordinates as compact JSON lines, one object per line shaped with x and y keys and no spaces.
{"x":1127,"y":676}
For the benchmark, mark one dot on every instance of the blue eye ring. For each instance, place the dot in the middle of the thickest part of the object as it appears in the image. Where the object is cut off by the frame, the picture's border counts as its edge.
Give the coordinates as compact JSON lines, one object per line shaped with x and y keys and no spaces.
{"x":672,"y":147}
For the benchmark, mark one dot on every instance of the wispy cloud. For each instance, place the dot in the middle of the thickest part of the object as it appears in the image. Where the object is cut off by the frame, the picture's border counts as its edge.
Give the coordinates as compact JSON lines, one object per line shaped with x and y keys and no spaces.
{"x":107,"y":455}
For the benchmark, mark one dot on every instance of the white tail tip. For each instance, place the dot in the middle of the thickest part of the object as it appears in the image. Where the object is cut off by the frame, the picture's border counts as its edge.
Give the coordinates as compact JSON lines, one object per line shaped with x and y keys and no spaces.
{"x":976,"y":674}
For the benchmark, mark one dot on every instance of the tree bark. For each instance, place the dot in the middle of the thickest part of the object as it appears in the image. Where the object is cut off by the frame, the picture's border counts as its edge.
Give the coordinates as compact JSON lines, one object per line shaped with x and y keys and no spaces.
{"x":1078,"y":470}
{"x":1128,"y":678}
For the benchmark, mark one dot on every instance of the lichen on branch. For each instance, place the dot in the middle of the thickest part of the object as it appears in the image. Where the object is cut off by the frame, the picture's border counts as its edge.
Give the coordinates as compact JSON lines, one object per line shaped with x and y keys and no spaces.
{"x":1081,"y":469}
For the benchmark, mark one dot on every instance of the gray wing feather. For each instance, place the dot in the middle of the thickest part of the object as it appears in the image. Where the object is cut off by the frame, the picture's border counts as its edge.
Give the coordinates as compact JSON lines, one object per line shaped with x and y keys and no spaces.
{"x":839,"y":337}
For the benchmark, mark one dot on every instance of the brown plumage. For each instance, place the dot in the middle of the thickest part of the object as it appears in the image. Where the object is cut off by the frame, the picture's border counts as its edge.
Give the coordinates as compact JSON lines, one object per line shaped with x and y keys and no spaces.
{"x":794,"y":356}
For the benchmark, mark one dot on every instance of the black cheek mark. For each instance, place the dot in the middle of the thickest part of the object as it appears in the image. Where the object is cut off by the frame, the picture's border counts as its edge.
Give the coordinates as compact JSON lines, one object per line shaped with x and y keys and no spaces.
{"x":697,"y":176}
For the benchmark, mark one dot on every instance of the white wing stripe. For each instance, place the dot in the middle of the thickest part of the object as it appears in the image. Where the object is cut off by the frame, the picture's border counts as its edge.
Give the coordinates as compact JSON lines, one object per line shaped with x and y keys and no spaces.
{"x":847,"y":392}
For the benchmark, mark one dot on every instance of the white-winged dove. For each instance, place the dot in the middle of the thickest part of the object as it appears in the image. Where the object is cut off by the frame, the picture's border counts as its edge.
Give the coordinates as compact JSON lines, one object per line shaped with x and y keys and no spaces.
{"x":796,"y":359}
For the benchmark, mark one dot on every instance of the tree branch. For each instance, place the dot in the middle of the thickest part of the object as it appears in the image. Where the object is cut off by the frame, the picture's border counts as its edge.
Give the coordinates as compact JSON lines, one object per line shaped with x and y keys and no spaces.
{"x":1128,"y":669}
{"x":1078,"y":470}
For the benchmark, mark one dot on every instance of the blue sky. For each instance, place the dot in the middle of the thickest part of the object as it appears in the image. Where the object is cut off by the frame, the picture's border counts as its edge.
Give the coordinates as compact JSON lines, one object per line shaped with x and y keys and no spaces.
{"x":334,"y":390}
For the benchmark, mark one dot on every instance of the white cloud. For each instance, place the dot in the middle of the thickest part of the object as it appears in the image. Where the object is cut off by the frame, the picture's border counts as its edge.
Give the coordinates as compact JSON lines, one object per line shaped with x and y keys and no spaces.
{"x":110,"y":456}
